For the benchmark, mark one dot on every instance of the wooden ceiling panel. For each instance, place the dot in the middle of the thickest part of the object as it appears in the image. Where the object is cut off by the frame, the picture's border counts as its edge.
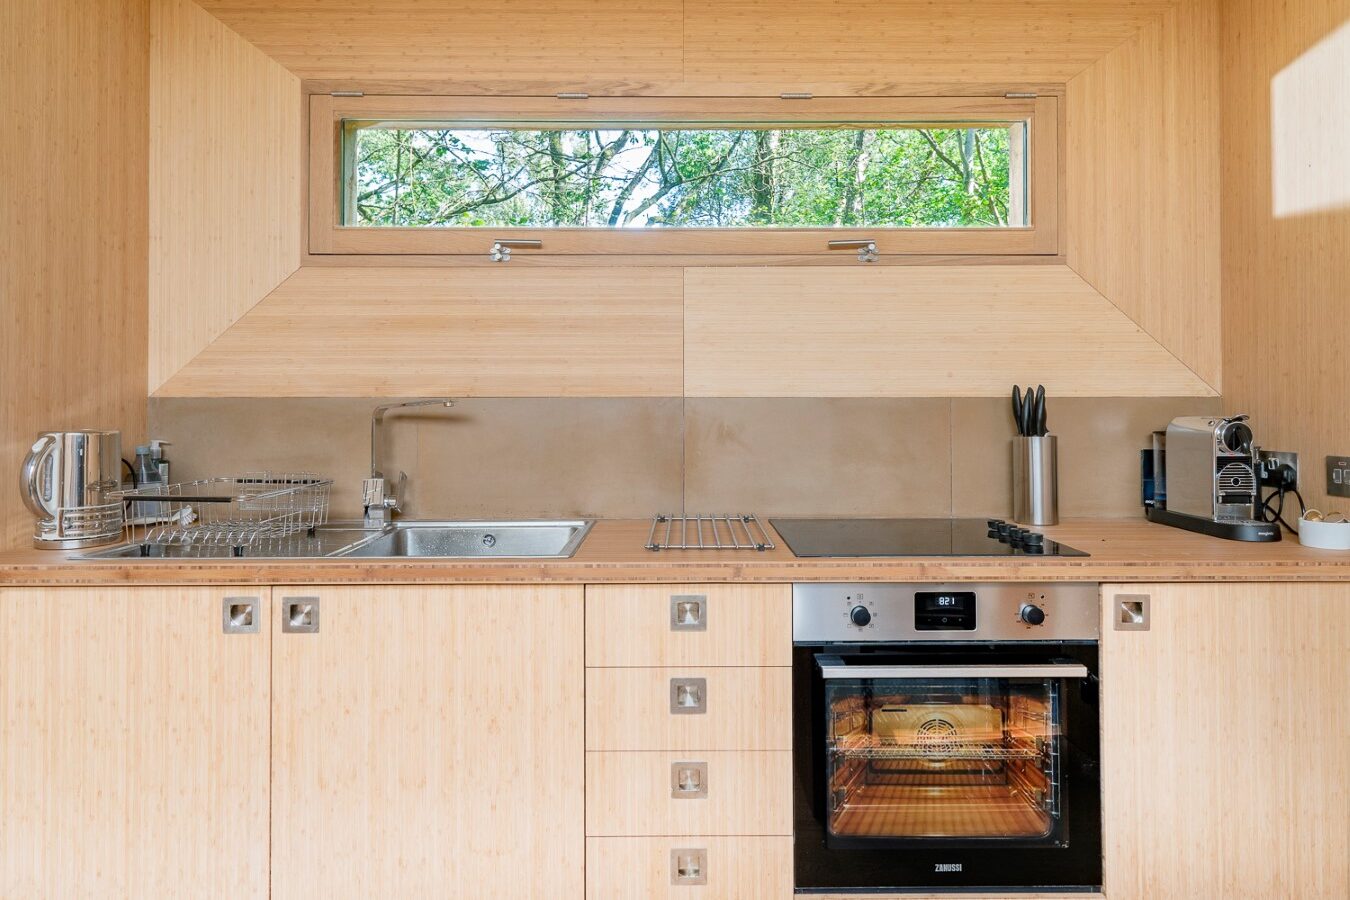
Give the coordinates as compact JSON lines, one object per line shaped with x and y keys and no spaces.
{"x":589,"y":43}
{"x":561,"y":41}
{"x":789,"y":41}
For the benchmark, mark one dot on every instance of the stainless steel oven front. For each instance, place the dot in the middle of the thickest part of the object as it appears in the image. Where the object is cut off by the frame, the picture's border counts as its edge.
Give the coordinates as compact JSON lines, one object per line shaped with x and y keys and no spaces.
{"x":946,"y":737}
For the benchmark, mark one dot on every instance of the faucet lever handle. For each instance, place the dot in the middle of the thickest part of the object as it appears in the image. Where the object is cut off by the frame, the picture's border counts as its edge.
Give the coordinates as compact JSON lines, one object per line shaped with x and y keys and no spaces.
{"x":396,"y":501}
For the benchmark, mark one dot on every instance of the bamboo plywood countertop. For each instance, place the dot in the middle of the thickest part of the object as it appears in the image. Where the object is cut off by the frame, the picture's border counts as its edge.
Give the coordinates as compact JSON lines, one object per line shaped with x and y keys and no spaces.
{"x":1121,"y":550}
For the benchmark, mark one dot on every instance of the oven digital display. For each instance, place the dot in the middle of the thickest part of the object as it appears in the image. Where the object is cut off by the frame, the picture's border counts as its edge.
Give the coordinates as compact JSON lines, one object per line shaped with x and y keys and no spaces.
{"x":944,"y":610}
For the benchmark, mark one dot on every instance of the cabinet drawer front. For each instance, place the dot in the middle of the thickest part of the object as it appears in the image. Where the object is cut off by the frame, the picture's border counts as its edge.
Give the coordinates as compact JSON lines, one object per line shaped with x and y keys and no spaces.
{"x":742,"y":709}
{"x":689,"y":625}
{"x":725,"y":793}
{"x":706,"y":868}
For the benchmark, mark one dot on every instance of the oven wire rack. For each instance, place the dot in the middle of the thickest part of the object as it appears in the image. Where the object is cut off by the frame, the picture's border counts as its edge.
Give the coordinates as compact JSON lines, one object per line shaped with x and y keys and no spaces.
{"x":873,"y":747}
{"x":708,"y":532}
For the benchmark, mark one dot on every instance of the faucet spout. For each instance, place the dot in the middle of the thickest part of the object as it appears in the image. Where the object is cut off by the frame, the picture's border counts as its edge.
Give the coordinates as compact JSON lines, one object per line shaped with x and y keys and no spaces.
{"x":378,"y":501}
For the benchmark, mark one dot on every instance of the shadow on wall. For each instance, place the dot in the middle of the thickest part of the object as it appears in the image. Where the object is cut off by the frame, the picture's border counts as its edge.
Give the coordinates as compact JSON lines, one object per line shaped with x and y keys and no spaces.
{"x":1310,"y":129}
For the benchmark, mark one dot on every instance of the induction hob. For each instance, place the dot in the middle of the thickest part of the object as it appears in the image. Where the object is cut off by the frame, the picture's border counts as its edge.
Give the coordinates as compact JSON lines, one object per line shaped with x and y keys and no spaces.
{"x":915,"y":537}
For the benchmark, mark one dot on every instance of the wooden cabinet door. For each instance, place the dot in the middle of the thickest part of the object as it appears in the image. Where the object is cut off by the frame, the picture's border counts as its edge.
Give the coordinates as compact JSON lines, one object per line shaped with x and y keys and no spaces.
{"x":1225,"y":728}
{"x":428,"y":742}
{"x":133,"y":743}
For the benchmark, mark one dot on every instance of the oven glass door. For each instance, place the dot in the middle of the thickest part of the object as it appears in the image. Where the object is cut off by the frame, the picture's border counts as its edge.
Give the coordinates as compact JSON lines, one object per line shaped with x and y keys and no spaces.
{"x":952,"y":753}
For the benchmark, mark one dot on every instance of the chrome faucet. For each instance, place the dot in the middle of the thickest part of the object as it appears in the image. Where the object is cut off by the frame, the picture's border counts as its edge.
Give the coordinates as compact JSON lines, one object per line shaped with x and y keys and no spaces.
{"x":378,"y":502}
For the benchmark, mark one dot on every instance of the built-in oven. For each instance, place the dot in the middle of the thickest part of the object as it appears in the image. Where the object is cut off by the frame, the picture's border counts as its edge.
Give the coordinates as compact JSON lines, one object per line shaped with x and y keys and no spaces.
{"x":946,"y":737}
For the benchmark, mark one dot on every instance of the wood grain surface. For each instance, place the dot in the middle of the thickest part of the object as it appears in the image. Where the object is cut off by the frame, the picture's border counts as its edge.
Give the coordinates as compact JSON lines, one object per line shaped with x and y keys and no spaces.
{"x":1224,"y":729}
{"x":133,"y":744}
{"x":224,"y":181}
{"x":1121,"y":550}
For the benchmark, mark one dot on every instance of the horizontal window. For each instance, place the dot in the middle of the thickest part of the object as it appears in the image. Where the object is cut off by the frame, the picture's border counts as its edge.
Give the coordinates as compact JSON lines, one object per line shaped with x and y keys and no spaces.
{"x":683,"y":177}
{"x":598,"y":175}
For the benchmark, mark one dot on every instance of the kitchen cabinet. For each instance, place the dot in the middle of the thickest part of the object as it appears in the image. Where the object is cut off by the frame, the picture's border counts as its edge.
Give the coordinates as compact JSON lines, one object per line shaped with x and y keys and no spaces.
{"x":1224,"y":733}
{"x":428,"y":742}
{"x":689,"y":743}
{"x":134,"y":742}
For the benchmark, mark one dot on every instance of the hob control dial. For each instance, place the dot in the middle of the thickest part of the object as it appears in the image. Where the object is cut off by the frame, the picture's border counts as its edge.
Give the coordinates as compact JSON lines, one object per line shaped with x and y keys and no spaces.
{"x":1031,"y":614}
{"x":860,"y":616}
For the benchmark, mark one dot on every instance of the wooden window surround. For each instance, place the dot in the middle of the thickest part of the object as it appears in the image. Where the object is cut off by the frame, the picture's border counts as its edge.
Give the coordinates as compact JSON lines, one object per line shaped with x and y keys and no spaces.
{"x":329,"y":237}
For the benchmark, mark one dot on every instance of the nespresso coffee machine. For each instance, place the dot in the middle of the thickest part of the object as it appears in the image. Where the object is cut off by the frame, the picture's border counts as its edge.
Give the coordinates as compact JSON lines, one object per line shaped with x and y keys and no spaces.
{"x":1206,"y":478}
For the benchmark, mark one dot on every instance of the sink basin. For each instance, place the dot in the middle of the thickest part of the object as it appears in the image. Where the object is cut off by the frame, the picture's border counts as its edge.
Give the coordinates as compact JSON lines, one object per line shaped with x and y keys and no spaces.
{"x":475,"y":540}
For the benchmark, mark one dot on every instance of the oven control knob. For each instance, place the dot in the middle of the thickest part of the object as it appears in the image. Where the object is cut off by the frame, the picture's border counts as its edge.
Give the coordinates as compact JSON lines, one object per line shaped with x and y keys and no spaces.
{"x":1031,"y":614}
{"x":860,"y":616}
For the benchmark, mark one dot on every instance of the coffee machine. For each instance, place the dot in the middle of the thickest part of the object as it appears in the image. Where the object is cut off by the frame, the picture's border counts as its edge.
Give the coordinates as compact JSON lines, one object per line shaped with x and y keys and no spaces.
{"x":69,"y":482}
{"x":1208,"y":472}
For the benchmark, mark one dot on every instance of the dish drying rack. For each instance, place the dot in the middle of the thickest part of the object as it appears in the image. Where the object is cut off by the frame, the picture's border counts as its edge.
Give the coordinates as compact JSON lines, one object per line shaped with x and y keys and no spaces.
{"x":238,"y":511}
{"x":707,"y":532}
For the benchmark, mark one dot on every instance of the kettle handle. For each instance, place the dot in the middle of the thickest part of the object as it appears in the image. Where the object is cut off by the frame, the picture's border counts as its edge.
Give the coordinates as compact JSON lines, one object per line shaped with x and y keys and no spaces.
{"x":37,"y":457}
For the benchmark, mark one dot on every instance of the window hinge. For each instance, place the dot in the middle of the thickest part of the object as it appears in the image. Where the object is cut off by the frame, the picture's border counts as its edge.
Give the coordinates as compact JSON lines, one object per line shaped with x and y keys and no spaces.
{"x":347,"y":94}
{"x":795,"y":95}
{"x":500,"y":251}
{"x":572,"y":95}
{"x":1020,"y":95}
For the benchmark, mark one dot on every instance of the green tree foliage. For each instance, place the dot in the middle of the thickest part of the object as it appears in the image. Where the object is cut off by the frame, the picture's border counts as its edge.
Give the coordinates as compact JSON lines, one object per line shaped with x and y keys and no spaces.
{"x":681,"y":177}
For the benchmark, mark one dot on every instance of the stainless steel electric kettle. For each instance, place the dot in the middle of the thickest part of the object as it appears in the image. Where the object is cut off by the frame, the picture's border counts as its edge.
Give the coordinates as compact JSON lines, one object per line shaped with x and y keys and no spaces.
{"x":67,"y":481}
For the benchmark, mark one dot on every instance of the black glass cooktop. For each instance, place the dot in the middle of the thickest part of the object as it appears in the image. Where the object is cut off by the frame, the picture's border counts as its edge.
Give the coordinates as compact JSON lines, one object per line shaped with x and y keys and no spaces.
{"x":915,"y":537}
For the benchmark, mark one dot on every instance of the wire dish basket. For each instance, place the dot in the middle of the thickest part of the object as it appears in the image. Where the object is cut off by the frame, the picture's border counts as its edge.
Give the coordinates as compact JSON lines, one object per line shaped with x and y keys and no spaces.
{"x":237,"y":510}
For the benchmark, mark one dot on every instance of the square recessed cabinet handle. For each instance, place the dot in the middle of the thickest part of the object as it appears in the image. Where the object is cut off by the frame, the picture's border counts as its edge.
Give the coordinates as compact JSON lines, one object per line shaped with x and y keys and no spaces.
{"x":688,"y":696}
{"x":300,"y":615}
{"x":240,"y":615}
{"x":1132,"y":612}
{"x":689,"y":865}
{"x":688,"y":612}
{"x":689,"y":780}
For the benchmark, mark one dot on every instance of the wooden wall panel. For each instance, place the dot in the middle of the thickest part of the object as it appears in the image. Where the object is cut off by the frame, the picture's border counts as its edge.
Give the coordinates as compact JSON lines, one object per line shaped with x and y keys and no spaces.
{"x":73,"y":232}
{"x":568,"y":40}
{"x":916,"y":332}
{"x":372,"y":332}
{"x":1286,"y":273}
{"x":225,"y":181}
{"x":1143,"y":182}
{"x":831,"y":40}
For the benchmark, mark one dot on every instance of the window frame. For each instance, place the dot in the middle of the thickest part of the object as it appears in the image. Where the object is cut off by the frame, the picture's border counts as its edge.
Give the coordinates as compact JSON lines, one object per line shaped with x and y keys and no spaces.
{"x":327,"y":236}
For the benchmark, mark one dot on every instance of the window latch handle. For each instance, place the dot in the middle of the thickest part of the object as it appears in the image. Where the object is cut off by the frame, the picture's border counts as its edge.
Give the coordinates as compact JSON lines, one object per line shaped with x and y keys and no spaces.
{"x":866,"y":247}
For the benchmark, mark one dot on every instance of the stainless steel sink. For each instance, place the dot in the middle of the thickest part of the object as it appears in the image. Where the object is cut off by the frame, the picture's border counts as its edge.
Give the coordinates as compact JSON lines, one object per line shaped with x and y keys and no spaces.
{"x":475,"y":540}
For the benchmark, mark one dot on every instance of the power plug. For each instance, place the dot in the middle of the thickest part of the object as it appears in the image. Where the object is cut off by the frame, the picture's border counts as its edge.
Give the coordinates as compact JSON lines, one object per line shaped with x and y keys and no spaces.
{"x":1278,"y":470}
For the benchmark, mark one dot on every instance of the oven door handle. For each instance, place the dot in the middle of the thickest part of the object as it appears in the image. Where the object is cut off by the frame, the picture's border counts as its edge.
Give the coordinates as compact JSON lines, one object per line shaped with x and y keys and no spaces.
{"x":833,"y":668}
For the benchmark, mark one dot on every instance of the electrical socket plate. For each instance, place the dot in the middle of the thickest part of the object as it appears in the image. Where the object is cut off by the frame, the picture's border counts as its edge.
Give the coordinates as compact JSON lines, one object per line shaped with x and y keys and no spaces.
{"x":1338,"y":476}
{"x":1270,"y":459}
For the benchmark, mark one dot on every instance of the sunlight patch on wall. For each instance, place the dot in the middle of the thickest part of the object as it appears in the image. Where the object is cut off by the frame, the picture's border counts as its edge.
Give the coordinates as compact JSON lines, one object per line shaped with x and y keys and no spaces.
{"x":1310,"y":129}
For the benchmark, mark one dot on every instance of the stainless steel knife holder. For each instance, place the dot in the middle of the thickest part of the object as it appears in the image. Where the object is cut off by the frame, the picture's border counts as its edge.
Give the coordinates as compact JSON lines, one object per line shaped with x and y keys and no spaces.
{"x":1035,"y":480}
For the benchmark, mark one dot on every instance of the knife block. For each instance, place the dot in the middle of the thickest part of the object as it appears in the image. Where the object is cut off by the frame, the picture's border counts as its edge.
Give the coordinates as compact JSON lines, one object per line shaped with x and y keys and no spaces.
{"x":1035,"y":480}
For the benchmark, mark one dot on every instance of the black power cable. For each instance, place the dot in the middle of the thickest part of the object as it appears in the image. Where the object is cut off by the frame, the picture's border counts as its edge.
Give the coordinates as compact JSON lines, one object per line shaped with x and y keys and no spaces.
{"x":1277,"y":514}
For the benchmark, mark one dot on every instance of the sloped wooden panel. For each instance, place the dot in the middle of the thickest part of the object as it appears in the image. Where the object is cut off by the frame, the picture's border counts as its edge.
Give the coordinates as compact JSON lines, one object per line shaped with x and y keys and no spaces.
{"x":225,"y":180}
{"x":1143,"y":182}
{"x":834,"y":40}
{"x":429,"y":39}
{"x":916,"y":331}
{"x":397,"y":332}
